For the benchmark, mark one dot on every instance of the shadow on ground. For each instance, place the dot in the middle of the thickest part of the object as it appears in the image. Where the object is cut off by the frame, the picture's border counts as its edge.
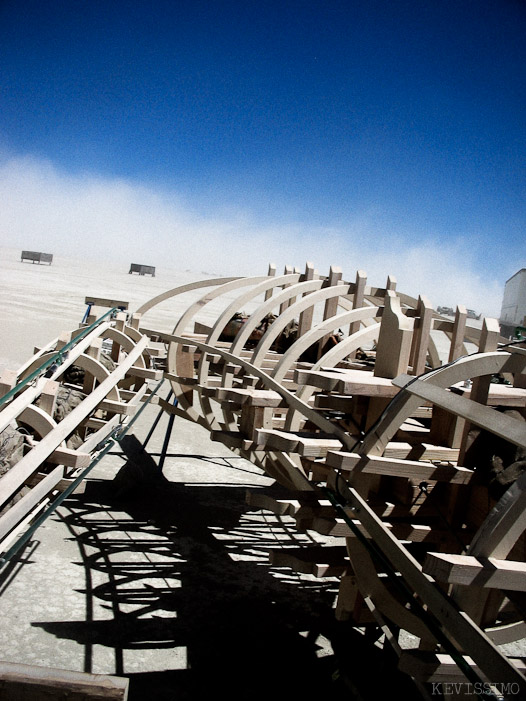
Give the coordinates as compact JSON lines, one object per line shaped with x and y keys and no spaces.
{"x":162,"y":560}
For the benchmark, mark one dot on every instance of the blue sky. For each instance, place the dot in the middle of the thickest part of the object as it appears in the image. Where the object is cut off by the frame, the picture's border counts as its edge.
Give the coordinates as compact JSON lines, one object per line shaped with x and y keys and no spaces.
{"x":382,"y":135}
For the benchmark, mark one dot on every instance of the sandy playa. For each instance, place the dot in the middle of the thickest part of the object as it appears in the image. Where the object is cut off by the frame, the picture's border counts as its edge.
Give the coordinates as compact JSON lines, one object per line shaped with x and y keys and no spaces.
{"x":38,"y":302}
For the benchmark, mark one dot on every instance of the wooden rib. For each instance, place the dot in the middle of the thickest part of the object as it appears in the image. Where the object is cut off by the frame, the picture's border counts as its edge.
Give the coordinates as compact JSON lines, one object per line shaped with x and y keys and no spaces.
{"x":18,"y":474}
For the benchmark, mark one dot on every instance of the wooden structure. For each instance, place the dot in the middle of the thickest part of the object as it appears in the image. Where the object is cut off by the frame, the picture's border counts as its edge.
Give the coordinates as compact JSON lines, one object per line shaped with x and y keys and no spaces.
{"x":376,"y":440}
{"x":36,"y":257}
{"x":404,"y":437}
{"x":142,"y":269}
{"x":31,"y":683}
{"x":104,"y":367}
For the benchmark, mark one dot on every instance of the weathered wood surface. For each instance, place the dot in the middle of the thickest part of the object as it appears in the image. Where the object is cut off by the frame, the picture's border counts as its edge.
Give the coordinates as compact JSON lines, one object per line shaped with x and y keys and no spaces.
{"x":375,"y":419}
{"x":346,"y":410}
{"x":32,"y":683}
{"x":99,"y":409}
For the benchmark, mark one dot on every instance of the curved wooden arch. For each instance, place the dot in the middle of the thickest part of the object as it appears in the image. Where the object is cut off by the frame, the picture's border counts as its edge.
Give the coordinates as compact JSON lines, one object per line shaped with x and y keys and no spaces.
{"x":174,"y":358}
{"x":317,"y":333}
{"x":331,"y":359}
{"x":204,"y":366}
{"x":290,"y":313}
{"x":125,"y":341}
{"x":38,"y":419}
{"x":404,"y":404}
{"x":99,"y":372}
{"x":181,"y":289}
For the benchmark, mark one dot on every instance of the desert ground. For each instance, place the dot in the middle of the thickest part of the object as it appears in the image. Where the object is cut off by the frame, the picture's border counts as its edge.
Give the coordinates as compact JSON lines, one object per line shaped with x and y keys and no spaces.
{"x":163,"y":576}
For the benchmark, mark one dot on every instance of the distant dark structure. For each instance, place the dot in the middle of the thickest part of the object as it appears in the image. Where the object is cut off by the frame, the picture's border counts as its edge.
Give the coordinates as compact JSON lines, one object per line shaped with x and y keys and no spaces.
{"x":36,"y":257}
{"x":142,"y":269}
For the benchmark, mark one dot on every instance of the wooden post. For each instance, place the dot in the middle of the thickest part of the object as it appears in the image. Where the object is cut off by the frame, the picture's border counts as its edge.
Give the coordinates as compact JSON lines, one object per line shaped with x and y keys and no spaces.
{"x":94,"y":352}
{"x":305,"y":322}
{"x":7,"y":381}
{"x":21,"y":681}
{"x":459,"y":329}
{"x":135,"y":321}
{"x":271,"y":273}
{"x":358,"y":300}
{"x":288,"y":271}
{"x":489,"y":339}
{"x":331,"y":304}
{"x":48,"y":398}
{"x":394,"y":340}
{"x":421,"y":335}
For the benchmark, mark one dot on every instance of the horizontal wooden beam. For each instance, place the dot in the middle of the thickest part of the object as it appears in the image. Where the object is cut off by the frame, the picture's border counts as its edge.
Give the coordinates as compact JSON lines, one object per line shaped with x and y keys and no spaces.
{"x":33,"y":683}
{"x":506,"y":427}
{"x":308,"y":445}
{"x":457,"y":626}
{"x":105,"y":302}
{"x":378,"y":465}
{"x":481,"y":572}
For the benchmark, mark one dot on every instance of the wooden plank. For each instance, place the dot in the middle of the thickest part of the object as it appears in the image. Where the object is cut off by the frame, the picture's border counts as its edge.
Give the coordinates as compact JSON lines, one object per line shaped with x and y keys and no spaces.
{"x":7,"y":381}
{"x":350,"y":382}
{"x":106,"y":302}
{"x":303,"y":444}
{"x":32,"y":683}
{"x":18,"y":474}
{"x":247,"y":396}
{"x":12,"y":516}
{"x":482,"y":572}
{"x":421,"y":335}
{"x":306,"y":316}
{"x":506,"y":427}
{"x":69,"y":458}
{"x":459,"y":330}
{"x":146,"y":373}
{"x":394,"y":340}
{"x":456,"y":624}
{"x":371,"y":464}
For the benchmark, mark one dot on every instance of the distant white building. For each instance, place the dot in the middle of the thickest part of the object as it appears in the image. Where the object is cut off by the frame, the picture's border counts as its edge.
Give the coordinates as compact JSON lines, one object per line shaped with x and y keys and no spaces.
{"x":513,"y":311}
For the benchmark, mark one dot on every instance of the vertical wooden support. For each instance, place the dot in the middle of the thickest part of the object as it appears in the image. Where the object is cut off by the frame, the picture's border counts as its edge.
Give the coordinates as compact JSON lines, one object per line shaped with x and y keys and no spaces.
{"x":48,"y":398}
{"x":271,"y":273}
{"x":391,"y":283}
{"x":255,"y":417}
{"x":288,"y":271}
{"x":358,"y":301}
{"x":7,"y":381}
{"x":446,"y":428}
{"x":305,"y":322}
{"x":331,"y":305}
{"x":459,"y":329}
{"x":63,"y":339}
{"x":394,"y":339}
{"x":120,"y":321}
{"x":489,"y":338}
{"x":93,"y":351}
{"x":359,"y":296}
{"x":135,"y":321}
{"x":421,"y":335}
